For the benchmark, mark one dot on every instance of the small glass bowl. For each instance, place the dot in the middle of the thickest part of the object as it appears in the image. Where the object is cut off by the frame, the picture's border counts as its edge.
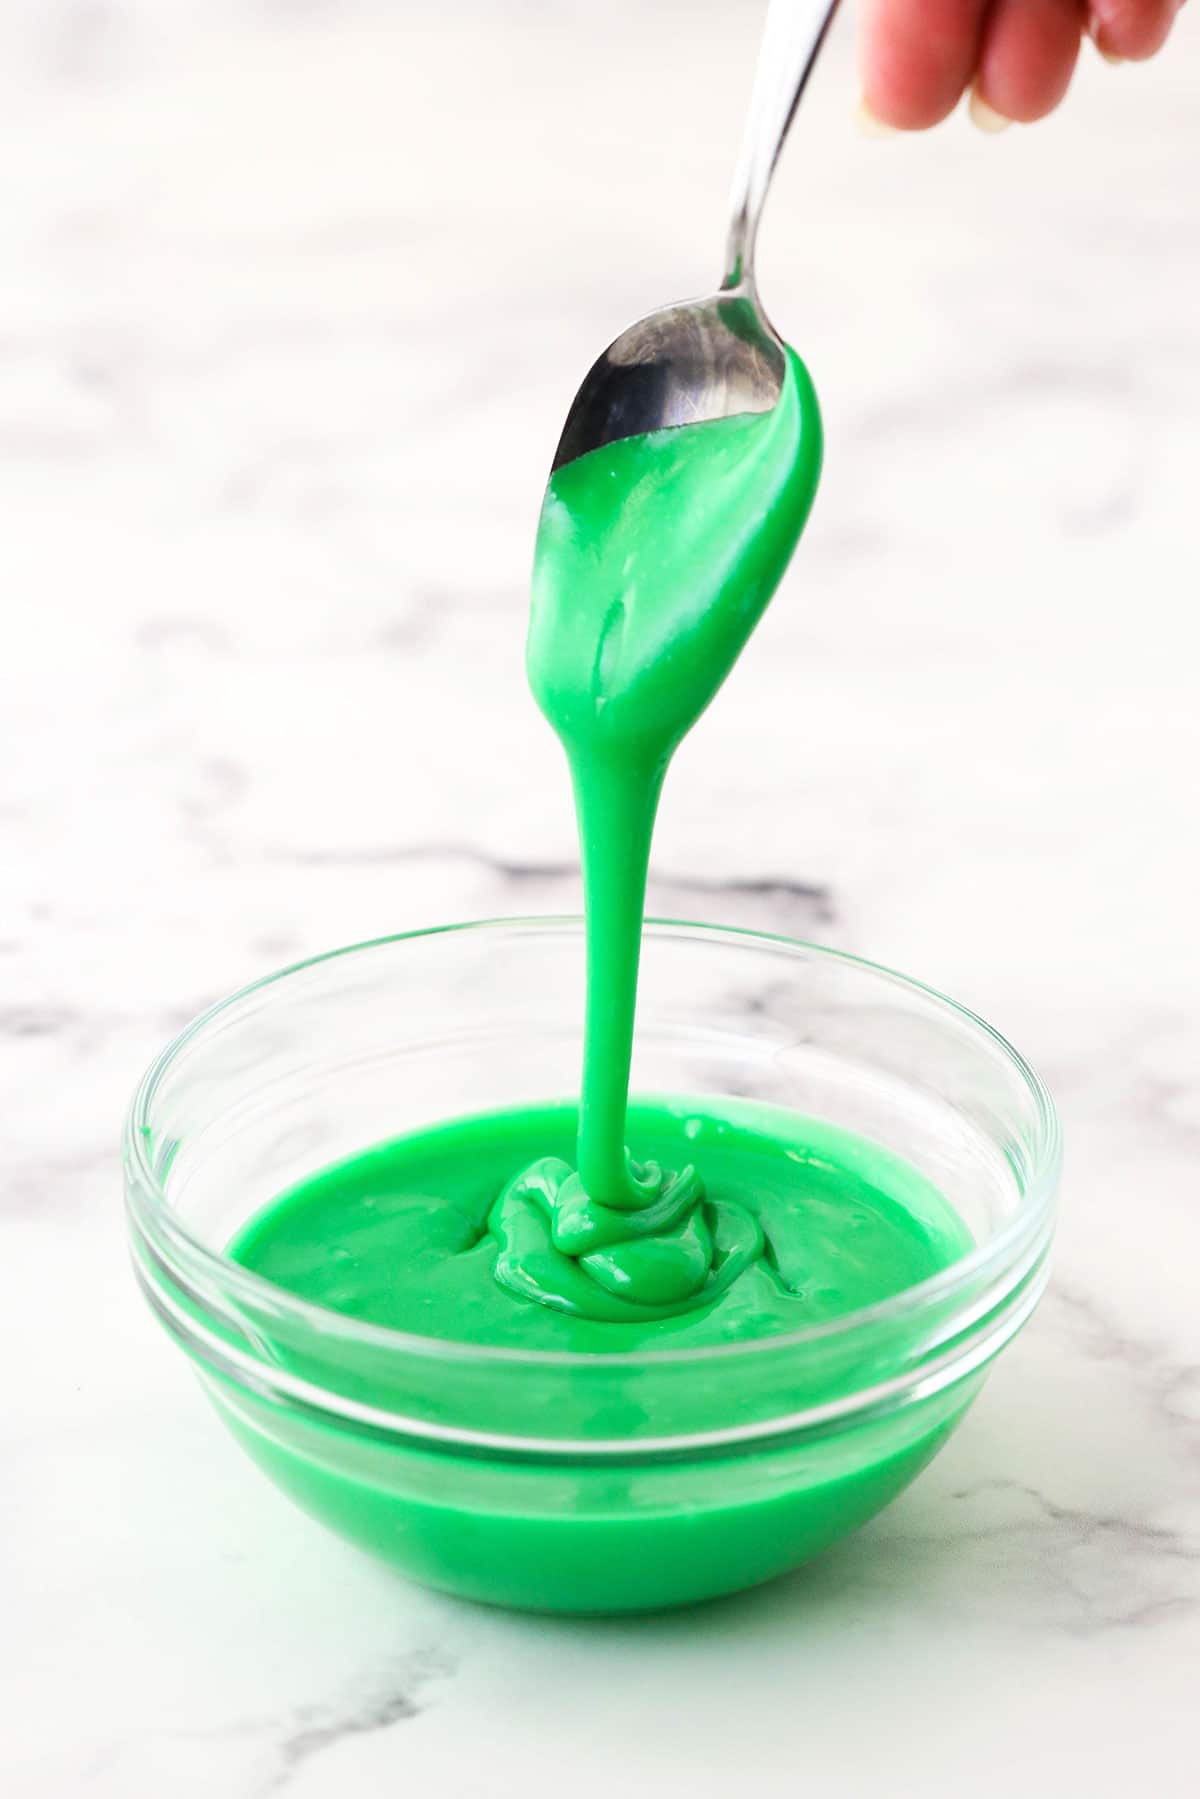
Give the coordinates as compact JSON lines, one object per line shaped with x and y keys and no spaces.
{"x":547,"y":1480}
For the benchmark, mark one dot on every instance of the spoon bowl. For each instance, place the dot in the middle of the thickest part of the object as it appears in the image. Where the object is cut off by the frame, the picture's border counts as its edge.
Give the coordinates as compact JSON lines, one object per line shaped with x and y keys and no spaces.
{"x":682,"y":365}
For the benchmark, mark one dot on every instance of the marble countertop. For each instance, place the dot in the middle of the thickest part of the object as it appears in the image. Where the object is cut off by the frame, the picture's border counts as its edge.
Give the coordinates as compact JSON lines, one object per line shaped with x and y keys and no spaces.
{"x":294,"y":296}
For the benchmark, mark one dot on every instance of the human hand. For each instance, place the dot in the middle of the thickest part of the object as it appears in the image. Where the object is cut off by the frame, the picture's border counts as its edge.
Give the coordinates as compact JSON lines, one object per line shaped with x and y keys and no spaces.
{"x":1015,"y":56}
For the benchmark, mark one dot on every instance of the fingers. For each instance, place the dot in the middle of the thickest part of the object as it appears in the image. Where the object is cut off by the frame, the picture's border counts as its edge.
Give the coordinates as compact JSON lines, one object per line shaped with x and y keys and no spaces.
{"x":1131,"y":30}
{"x":917,"y":57}
{"x":1027,"y":56}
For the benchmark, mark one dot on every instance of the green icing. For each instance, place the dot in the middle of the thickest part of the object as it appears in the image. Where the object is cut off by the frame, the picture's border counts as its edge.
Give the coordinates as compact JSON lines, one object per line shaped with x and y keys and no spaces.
{"x":656,"y":556}
{"x":816,"y":1223}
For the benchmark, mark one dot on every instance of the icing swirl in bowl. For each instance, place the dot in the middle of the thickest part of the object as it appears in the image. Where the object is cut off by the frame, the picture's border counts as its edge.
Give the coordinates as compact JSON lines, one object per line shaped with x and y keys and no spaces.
{"x":677,"y":1250}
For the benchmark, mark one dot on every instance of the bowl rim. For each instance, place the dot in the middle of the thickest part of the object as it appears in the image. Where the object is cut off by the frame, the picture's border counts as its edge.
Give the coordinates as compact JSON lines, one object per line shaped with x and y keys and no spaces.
{"x":155,"y":1219}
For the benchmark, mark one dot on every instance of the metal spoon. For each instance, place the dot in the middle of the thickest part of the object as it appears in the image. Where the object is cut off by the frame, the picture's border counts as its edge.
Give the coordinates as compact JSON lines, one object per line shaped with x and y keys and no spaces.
{"x":711,"y":358}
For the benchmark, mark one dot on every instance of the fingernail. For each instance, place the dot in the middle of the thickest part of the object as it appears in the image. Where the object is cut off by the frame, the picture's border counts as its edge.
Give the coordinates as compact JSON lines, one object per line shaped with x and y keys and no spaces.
{"x":985,"y":117}
{"x":871,"y":125}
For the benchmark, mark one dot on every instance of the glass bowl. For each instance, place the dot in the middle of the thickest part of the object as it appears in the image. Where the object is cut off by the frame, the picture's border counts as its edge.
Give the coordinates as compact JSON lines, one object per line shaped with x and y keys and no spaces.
{"x":546,"y":1480}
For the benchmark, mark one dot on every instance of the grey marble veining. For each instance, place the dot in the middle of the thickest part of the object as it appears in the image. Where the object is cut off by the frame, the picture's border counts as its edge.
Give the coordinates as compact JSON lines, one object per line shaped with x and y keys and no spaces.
{"x":279,"y":386}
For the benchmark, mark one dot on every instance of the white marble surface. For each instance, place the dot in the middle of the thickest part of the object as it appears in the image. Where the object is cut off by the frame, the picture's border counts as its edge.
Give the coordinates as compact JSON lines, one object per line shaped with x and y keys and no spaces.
{"x":293,"y":298}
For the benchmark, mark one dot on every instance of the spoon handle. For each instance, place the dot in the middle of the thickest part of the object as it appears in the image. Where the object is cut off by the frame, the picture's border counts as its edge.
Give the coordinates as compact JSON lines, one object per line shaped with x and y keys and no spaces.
{"x":793,"y":33}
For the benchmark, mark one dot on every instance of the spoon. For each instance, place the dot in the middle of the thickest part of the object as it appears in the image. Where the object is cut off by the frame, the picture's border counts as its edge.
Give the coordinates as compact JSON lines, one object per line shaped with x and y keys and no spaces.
{"x":719,"y":356}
